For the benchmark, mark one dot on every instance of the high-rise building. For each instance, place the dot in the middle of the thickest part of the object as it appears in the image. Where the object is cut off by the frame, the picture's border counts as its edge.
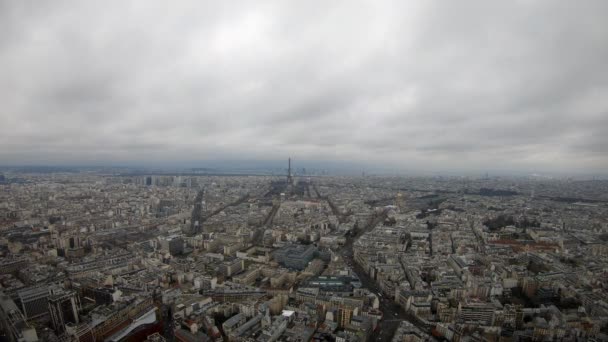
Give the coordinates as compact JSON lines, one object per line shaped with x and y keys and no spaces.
{"x":34,"y":301}
{"x":400,"y":201}
{"x":63,"y":307}
{"x":173,"y":244}
{"x":176,"y":246}
{"x":345,"y":314}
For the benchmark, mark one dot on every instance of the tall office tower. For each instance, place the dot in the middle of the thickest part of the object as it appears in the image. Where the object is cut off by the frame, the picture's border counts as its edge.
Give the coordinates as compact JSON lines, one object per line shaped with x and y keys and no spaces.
{"x":63,"y":307}
{"x":400,"y":202}
{"x":34,"y":301}
{"x":345,"y":314}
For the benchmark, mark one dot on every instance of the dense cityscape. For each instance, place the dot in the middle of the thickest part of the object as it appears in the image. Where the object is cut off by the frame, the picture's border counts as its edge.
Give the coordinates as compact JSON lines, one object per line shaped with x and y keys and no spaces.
{"x":109,"y":256}
{"x":304,"y":171}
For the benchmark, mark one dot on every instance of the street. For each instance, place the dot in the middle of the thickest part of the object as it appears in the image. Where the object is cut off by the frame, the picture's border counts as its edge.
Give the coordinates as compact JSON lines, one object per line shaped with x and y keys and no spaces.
{"x":393,"y":313}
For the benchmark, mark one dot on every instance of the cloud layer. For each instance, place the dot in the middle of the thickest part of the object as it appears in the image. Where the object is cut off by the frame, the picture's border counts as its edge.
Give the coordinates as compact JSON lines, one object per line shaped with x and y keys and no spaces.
{"x":418,"y":85}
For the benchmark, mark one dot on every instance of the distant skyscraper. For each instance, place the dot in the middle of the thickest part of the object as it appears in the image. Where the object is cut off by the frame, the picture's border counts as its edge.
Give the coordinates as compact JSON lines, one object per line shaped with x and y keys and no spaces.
{"x":400,"y":201}
{"x":63,"y":307}
{"x":176,"y":246}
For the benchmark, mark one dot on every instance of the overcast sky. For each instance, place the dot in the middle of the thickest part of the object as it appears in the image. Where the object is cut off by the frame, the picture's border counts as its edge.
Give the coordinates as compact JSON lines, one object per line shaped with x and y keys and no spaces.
{"x":430,"y":85}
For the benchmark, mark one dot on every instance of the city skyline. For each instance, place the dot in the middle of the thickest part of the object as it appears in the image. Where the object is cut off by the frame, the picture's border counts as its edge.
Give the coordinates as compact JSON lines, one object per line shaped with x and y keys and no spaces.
{"x":425,"y":87}
{"x":282,"y":171}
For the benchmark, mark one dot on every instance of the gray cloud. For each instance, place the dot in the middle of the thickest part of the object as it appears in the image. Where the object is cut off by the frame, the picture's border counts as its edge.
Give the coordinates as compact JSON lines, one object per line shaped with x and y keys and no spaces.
{"x":417,"y":85}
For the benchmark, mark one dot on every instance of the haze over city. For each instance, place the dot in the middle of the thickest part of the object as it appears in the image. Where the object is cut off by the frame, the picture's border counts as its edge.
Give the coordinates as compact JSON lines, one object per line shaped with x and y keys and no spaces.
{"x":303,"y":171}
{"x":419,"y":85}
